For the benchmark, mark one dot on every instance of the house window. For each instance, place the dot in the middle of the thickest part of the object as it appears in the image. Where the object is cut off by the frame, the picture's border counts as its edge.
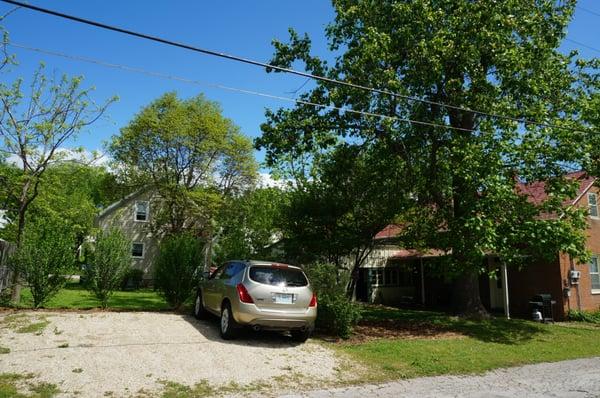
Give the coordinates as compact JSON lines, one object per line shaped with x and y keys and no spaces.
{"x":141,"y":211}
{"x":595,"y":274}
{"x":137,"y":250}
{"x":377,"y":277}
{"x":593,"y":203}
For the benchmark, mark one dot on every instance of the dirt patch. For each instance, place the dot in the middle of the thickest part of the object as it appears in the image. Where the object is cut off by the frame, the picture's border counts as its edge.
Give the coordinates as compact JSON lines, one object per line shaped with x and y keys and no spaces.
{"x":399,"y":329}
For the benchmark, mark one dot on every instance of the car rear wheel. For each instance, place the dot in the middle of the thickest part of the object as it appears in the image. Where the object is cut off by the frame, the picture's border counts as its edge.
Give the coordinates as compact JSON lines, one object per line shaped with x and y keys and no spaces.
{"x":199,"y":310}
{"x":301,"y":335}
{"x":228,"y":324}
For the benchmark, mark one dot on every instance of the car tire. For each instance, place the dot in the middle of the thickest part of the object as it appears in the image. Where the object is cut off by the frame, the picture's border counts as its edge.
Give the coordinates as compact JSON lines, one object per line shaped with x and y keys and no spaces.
{"x":301,"y":336}
{"x":227,"y":325}
{"x":199,"y":310}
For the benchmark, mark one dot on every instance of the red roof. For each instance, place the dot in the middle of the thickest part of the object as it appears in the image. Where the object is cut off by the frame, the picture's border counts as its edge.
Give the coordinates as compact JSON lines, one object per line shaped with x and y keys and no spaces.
{"x":536,"y":191}
{"x":390,"y":231}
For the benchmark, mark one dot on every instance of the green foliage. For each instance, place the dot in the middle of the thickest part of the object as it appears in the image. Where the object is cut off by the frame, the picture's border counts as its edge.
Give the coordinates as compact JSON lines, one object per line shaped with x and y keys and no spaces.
{"x":190,"y":153}
{"x":354,"y":193}
{"x":250,"y":224}
{"x":336,"y":314}
{"x":463,"y":175}
{"x":176,"y":268}
{"x":584,"y":316}
{"x":132,"y":279}
{"x":46,"y":254}
{"x":68,"y":190}
{"x":108,"y":260}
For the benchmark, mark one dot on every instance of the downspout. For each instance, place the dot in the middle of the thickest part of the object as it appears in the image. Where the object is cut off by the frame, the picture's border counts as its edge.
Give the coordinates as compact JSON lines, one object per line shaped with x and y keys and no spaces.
{"x":504,"y":271}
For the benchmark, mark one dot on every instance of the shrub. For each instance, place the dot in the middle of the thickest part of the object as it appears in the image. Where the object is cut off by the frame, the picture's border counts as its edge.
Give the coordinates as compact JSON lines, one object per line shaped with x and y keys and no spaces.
{"x":108,"y":259}
{"x":584,"y":316}
{"x":45,"y":255}
{"x":336,"y":313}
{"x":175,"y":276}
{"x":132,"y":279}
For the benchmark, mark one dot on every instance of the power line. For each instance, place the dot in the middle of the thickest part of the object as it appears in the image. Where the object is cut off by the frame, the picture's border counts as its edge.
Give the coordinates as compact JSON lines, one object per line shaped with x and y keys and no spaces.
{"x":229,"y":88}
{"x":278,"y":68}
{"x":582,"y":44}
{"x":588,"y":10}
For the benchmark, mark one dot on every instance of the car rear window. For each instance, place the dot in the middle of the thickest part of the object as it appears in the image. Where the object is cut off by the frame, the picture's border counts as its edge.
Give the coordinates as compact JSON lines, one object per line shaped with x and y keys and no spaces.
{"x":277,"y":276}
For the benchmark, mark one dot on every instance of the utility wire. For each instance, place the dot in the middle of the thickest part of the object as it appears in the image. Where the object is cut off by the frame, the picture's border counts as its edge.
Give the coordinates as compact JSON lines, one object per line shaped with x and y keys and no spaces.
{"x":278,"y":68}
{"x":229,"y":88}
{"x":583,"y":45}
{"x":588,"y":10}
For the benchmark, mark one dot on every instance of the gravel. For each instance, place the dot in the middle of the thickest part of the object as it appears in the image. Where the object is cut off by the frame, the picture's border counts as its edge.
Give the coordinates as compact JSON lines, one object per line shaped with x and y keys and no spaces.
{"x":96,"y":354}
{"x":569,"y":379}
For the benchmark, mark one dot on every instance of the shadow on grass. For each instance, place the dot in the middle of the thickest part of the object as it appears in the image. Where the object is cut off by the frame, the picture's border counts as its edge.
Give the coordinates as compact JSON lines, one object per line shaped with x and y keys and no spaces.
{"x":428,"y":323}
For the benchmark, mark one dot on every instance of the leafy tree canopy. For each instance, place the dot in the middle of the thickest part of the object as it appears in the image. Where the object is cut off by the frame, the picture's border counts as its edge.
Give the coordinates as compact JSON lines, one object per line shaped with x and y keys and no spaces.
{"x":190,"y":153}
{"x":442,"y":59}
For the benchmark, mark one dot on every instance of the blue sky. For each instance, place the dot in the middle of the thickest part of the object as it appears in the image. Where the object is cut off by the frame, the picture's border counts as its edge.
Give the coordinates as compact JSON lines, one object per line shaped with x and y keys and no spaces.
{"x":244,"y":28}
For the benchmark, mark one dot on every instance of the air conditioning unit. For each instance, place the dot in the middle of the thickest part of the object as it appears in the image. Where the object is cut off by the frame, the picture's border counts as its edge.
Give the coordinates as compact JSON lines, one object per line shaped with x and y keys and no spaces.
{"x":574,"y":276}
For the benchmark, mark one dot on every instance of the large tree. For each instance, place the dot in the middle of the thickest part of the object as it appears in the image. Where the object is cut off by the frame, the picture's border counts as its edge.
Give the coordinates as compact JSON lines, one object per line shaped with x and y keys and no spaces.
{"x":435,"y":62}
{"x":34,"y":127}
{"x":191,"y":154}
{"x":35,"y":124}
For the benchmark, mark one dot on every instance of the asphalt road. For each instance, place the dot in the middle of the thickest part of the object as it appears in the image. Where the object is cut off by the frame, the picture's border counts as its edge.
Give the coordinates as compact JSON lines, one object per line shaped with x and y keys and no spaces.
{"x":570,"y":379}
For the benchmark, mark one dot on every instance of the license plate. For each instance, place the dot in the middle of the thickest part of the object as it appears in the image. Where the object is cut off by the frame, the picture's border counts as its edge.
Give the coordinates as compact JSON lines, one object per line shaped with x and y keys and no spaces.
{"x":284,"y":298}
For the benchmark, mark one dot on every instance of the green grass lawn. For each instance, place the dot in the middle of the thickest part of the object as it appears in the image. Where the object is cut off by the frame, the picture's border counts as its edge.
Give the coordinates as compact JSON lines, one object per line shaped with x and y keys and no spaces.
{"x":74,"y":296}
{"x":481,"y":346}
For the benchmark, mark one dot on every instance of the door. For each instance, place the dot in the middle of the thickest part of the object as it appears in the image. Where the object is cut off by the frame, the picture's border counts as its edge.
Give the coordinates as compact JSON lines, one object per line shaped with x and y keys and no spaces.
{"x":210,"y":290}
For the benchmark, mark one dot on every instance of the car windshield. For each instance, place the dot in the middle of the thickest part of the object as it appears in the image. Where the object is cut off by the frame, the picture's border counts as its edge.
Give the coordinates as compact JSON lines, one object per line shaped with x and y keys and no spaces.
{"x":278,"y":276}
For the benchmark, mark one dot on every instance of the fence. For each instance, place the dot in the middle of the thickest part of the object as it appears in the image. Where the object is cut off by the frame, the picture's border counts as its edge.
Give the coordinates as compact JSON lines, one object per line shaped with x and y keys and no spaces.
{"x":5,"y":274}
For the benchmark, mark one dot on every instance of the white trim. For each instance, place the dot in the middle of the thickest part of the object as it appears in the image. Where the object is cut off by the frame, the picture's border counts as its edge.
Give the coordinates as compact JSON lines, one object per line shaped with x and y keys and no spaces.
{"x":135,"y":204}
{"x":143,"y":249}
{"x":597,"y":272}
{"x":118,"y":203}
{"x":584,"y":191}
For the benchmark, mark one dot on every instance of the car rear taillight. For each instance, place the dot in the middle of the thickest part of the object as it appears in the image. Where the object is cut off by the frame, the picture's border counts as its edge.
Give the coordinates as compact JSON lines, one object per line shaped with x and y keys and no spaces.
{"x":243,"y":293}
{"x":313,"y":300}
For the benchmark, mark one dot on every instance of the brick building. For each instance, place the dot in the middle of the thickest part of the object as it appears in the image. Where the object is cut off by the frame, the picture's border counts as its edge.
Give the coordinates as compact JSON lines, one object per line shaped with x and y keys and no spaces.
{"x":398,"y":276}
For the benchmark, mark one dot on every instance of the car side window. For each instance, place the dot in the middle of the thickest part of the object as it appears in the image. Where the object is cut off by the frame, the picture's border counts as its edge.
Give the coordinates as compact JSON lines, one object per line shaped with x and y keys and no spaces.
{"x":231,"y":270}
{"x":218,"y":272}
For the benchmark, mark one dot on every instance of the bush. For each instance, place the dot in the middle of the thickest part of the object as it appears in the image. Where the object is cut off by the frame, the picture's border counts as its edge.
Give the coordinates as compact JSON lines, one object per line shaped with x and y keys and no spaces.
{"x":336,"y":313}
{"x":45,"y":255}
{"x":108,"y":259}
{"x":175,"y":276}
{"x":584,"y":316}
{"x":133,"y":279}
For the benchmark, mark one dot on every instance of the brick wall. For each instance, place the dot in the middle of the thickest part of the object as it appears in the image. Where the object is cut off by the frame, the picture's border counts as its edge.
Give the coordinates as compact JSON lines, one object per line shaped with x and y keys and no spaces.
{"x":582,"y":296}
{"x":537,"y":278}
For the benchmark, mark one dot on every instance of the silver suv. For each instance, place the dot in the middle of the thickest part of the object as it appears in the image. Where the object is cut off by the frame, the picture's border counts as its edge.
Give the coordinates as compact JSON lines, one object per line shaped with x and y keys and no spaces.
{"x":259,"y":294}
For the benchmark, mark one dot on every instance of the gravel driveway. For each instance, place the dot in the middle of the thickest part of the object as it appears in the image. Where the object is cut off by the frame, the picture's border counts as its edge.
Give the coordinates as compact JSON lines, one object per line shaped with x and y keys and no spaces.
{"x":569,"y":379}
{"x":103,"y":353}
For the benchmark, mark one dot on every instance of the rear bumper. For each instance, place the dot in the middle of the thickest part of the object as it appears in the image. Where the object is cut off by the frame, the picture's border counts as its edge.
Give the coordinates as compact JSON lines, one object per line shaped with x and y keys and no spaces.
{"x":251,"y":315}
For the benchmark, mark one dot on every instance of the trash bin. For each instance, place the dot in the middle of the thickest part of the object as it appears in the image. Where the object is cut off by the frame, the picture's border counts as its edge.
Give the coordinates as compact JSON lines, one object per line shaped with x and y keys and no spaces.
{"x":545,"y":305}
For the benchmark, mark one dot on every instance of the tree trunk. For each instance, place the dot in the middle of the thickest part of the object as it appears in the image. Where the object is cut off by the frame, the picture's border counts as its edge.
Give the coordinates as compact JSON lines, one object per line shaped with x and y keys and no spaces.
{"x":16,"y":287}
{"x":466,"y":298}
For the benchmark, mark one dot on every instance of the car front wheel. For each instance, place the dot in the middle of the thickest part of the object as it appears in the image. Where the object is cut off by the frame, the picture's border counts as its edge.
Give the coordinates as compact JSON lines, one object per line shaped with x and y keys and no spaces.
{"x":228,"y":324}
